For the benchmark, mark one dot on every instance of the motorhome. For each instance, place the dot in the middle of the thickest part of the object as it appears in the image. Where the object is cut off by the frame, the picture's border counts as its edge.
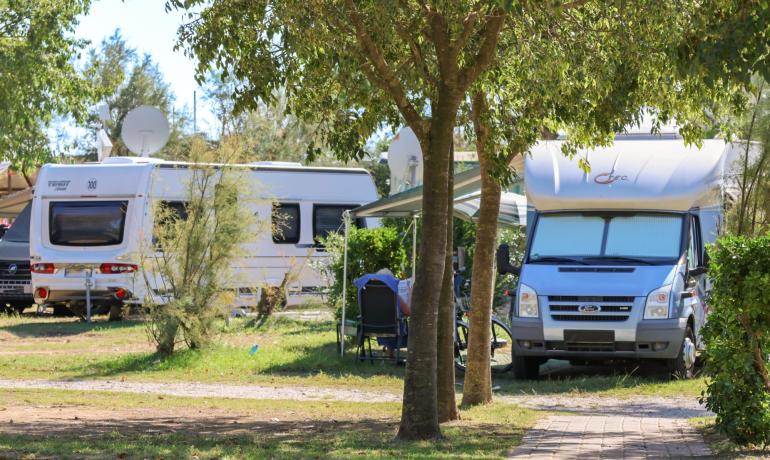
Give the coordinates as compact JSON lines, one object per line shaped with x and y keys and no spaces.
{"x":91,"y":222}
{"x":15,"y":279}
{"x":615,"y":264}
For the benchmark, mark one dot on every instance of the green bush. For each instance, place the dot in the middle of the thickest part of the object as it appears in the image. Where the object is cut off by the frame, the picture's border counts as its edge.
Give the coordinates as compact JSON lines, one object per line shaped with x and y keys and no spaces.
{"x":369,"y":250}
{"x":737,"y":335}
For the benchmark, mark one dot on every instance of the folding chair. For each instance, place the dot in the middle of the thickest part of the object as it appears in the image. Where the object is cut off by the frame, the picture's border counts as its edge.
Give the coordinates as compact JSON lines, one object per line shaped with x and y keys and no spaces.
{"x":380,"y":318}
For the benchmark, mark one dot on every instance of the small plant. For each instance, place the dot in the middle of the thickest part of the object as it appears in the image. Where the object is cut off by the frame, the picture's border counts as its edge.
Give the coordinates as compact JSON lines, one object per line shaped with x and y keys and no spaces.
{"x":737,"y":335}
{"x":194,"y":249}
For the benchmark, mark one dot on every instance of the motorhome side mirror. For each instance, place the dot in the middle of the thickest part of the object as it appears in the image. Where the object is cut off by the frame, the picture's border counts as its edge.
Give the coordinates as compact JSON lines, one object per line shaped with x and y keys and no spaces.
{"x":504,"y":261}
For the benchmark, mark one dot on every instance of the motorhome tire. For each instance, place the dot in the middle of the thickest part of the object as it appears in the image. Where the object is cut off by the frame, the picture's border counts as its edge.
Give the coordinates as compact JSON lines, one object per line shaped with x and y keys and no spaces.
{"x":683,"y":366}
{"x":526,"y":367}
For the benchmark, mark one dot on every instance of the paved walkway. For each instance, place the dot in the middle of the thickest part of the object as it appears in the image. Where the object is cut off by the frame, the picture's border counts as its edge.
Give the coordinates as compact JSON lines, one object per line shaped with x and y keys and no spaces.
{"x":611,"y":437}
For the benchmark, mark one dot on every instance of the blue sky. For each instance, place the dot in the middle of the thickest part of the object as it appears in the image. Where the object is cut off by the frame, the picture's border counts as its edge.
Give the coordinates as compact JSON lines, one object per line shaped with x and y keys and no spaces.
{"x":146,"y":26}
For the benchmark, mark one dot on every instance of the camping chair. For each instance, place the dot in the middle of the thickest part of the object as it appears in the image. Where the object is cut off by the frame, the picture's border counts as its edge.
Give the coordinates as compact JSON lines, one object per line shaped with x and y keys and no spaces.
{"x":380,"y":318}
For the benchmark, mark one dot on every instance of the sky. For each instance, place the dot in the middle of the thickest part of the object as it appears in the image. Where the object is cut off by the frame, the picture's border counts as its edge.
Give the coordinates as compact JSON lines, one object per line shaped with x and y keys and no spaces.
{"x":146,"y":26}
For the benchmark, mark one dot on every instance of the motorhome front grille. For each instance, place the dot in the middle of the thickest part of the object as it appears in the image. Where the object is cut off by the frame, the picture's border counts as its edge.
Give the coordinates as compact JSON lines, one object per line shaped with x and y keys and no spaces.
{"x":604,"y":308}
{"x":574,"y":298}
{"x":593,"y":317}
{"x":14,"y":271}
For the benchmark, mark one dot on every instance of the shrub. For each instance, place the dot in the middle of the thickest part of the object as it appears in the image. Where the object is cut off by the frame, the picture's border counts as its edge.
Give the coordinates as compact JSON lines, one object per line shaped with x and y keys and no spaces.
{"x":737,"y":335}
{"x":369,"y":250}
{"x":194,"y":250}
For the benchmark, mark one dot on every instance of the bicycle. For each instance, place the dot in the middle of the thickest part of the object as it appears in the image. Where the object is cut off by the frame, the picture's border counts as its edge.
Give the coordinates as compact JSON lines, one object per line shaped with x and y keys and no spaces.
{"x":501,"y":340}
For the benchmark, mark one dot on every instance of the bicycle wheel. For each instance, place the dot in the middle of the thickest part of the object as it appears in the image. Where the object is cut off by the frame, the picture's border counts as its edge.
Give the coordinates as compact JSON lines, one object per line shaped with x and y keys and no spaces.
{"x":501,"y":357}
{"x":461,"y":345}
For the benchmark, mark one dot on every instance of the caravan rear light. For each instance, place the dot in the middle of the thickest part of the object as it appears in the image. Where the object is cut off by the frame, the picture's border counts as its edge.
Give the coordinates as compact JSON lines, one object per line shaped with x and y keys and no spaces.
{"x":44,"y":268}
{"x":117,"y":268}
{"x":41,"y":293}
{"x":120,"y":293}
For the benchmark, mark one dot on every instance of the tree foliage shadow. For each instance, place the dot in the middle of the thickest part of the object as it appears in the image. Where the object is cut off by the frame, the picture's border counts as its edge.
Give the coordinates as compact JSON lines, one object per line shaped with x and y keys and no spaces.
{"x":65,"y":328}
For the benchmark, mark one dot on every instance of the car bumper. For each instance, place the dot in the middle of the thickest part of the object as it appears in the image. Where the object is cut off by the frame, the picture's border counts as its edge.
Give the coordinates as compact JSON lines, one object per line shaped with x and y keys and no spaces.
{"x":658,"y":339}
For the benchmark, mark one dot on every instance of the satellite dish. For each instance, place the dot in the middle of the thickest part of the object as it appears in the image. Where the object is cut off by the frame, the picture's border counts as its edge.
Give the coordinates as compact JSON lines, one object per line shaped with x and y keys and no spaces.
{"x":145,"y":130}
{"x":405,"y":161}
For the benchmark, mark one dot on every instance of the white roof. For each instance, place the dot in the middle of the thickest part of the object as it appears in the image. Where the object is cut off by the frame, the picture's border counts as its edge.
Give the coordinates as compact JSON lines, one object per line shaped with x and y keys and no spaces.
{"x":652,"y":174}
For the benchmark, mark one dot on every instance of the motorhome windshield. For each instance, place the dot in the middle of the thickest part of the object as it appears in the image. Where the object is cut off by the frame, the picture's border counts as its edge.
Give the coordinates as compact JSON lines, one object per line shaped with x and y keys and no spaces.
{"x":87,"y":223}
{"x":585,"y":238}
{"x":19,"y":231}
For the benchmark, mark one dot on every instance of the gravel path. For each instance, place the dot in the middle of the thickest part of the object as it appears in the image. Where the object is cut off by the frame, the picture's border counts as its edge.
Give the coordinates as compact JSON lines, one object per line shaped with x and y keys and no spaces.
{"x":208,"y":390}
{"x":584,"y":404}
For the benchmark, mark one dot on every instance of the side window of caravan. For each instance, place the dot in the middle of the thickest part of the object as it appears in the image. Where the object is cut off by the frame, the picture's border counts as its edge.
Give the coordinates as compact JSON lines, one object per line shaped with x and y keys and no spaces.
{"x":167,"y":212}
{"x":286,"y":223}
{"x":87,"y":223}
{"x":328,"y":219}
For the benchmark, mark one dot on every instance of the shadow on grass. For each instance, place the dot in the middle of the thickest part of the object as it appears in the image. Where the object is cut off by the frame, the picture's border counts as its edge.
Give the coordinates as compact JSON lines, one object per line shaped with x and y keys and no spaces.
{"x":64,"y":328}
{"x":227,"y":436}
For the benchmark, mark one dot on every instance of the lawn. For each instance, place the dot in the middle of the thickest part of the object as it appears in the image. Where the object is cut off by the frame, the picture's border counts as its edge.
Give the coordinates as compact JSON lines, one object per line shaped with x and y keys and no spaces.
{"x":290,"y":352}
{"x":136,"y":426}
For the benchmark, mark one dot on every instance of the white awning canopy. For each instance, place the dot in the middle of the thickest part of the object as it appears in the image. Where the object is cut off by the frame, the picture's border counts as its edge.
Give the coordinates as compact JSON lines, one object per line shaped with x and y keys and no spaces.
{"x":467,"y":185}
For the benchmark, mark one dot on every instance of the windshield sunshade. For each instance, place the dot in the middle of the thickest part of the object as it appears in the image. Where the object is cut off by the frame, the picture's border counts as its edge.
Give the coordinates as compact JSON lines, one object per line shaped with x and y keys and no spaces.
{"x":19,"y":231}
{"x":611,"y":236}
{"x":87,"y":223}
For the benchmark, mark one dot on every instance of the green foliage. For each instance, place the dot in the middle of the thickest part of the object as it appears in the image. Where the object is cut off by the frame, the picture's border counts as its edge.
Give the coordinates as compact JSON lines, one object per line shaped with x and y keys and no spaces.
{"x":125,"y":81}
{"x":38,"y":78}
{"x":737,"y":337}
{"x":750,"y":214}
{"x":197,"y":251}
{"x":369,"y":250}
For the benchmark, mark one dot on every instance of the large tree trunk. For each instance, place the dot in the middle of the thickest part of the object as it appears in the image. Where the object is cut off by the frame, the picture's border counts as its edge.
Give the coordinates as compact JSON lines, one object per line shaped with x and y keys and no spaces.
{"x":477,"y":388}
{"x":447,"y":403}
{"x":419,"y":416}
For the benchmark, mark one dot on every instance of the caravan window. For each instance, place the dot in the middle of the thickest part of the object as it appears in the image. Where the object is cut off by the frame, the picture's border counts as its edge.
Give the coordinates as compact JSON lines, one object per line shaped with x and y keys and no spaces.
{"x":87,"y":223}
{"x":285,"y":223}
{"x":328,"y":219}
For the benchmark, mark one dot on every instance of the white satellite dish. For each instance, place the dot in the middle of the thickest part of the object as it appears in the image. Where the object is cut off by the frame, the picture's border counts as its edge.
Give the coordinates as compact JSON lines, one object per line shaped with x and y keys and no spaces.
{"x":145,"y":130}
{"x":405,"y":161}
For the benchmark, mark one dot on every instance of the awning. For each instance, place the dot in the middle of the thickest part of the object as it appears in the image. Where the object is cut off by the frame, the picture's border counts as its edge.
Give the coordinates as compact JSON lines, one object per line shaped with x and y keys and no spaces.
{"x":15,"y":190}
{"x":467,"y":185}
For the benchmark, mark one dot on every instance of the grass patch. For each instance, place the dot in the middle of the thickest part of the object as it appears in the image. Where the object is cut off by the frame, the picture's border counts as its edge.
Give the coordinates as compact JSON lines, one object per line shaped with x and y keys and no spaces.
{"x":290,"y":352}
{"x":720,"y":445}
{"x":282,"y":429}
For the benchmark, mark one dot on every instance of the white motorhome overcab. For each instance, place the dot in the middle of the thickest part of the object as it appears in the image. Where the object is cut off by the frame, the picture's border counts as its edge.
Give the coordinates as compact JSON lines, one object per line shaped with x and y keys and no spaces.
{"x":615,"y":263}
{"x":90,"y":223}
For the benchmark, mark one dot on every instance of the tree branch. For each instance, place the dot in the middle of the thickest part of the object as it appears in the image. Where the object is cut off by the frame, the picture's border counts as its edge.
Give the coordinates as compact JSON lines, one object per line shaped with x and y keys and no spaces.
{"x":469,"y":24}
{"x":490,"y":34}
{"x":383,"y":75}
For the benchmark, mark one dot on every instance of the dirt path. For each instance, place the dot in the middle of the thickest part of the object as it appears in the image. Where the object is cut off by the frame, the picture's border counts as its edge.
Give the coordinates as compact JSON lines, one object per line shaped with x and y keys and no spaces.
{"x":583,"y":404}
{"x":208,"y":390}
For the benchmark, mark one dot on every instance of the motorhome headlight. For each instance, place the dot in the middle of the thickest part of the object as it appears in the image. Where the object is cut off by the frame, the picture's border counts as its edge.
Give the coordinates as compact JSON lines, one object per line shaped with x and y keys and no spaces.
{"x":527,"y":302}
{"x":658,"y":302}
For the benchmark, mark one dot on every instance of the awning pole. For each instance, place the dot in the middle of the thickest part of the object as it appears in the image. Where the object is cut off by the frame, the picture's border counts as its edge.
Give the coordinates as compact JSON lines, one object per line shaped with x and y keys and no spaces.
{"x":414,"y":245}
{"x":346,"y":219}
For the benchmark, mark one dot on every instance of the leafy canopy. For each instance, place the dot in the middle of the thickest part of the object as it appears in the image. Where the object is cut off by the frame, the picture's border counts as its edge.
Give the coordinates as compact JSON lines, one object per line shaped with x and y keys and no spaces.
{"x":38,"y":78}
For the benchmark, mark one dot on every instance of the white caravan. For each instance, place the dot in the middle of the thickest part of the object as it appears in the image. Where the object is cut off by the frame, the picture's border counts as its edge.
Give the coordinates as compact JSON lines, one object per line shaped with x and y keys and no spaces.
{"x":615,"y":265}
{"x":90,"y":222}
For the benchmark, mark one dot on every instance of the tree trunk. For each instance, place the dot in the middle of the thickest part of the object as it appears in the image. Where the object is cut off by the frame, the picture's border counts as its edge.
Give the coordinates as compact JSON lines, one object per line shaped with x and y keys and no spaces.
{"x":419,"y":416}
{"x":477,"y":388}
{"x":447,"y":402}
